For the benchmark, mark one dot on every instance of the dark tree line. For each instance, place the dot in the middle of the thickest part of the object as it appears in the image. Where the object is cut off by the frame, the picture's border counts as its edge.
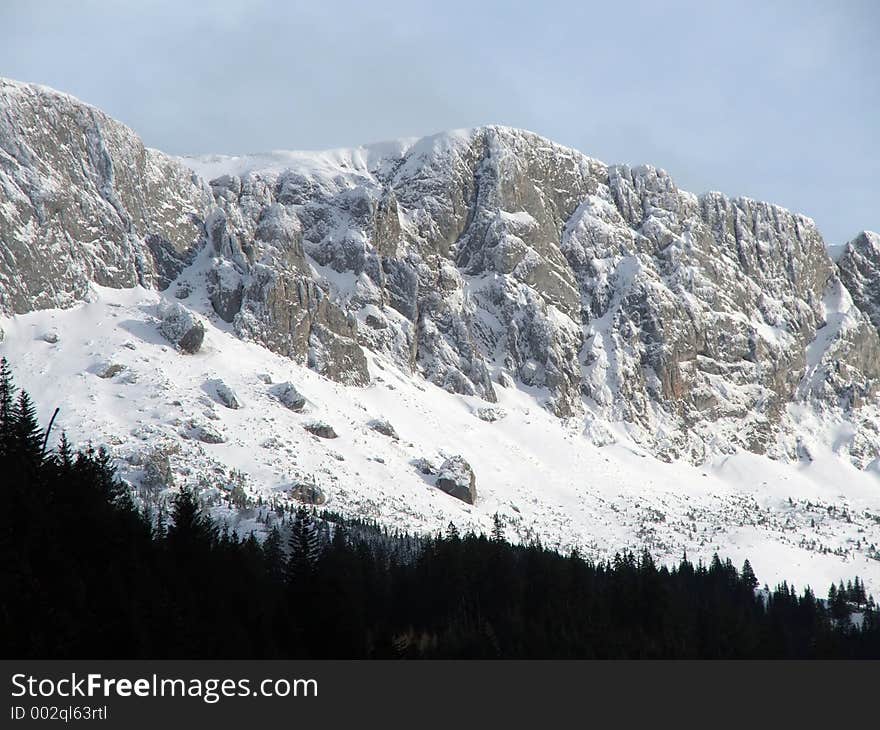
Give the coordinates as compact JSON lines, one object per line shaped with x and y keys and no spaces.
{"x":84,"y":573}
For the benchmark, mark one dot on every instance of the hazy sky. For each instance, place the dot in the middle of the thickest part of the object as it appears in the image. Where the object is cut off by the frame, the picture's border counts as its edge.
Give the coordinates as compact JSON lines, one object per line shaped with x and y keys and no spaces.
{"x":775,"y":100}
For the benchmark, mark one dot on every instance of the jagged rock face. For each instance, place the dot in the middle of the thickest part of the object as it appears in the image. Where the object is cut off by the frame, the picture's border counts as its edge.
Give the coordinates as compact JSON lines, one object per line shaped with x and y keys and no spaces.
{"x":82,"y":200}
{"x":698,"y":311}
{"x":859,"y":268}
{"x":472,"y":259}
{"x":493,"y":252}
{"x":262,"y":283}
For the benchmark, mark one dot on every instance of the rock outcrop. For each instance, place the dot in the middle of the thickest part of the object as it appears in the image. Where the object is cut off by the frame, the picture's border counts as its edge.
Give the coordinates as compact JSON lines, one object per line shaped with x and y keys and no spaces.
{"x":83,"y":201}
{"x":494,"y":254}
{"x":203,"y":432}
{"x":472,"y":259}
{"x":859,"y":269}
{"x":262,"y":283}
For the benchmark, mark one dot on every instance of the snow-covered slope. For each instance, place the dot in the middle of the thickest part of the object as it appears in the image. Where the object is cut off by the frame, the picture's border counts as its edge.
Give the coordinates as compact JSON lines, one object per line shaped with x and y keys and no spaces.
{"x":812,"y":522}
{"x":620,"y":362}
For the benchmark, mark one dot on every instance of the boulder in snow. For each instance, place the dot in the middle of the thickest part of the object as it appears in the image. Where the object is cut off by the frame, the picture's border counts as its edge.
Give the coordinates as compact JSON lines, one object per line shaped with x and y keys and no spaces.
{"x":308,"y":494}
{"x":110,"y":370}
{"x":225,"y":395}
{"x":320,"y":429}
{"x":289,"y":396}
{"x":205,"y":433}
{"x":182,"y":328}
{"x":457,"y":479}
{"x":380,"y":425}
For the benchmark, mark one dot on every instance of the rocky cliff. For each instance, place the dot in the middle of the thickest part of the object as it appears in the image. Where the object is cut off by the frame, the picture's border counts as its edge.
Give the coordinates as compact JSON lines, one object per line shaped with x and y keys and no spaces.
{"x":478,"y":259}
{"x":82,"y":200}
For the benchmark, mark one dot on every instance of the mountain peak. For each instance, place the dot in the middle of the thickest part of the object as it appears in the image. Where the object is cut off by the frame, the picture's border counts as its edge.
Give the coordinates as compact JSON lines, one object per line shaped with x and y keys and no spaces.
{"x":10,"y":88}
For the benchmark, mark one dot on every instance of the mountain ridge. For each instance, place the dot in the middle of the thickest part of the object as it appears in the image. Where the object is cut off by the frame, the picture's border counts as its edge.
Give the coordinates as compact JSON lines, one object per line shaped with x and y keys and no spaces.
{"x":465,"y":256}
{"x":486,"y":291}
{"x":404,"y":143}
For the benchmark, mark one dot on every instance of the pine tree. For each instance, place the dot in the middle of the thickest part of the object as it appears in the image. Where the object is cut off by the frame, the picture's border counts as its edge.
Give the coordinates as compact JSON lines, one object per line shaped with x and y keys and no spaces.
{"x":7,"y":405}
{"x":114,"y":490}
{"x":452,"y":532}
{"x":748,"y":575}
{"x":837,"y":598}
{"x":64,"y":457}
{"x":304,"y":548}
{"x":27,"y":436}
{"x":161,"y":523}
{"x":273,"y":555}
{"x":190,"y":532}
{"x":497,"y":528}
{"x":859,"y":596}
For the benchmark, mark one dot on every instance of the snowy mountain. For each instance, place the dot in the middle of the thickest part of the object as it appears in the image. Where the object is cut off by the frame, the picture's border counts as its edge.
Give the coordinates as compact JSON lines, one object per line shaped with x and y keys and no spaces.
{"x":602,"y":358}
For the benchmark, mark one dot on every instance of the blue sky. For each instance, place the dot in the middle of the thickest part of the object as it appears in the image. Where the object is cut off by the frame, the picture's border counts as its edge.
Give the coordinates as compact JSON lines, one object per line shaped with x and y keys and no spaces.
{"x":775,"y":100}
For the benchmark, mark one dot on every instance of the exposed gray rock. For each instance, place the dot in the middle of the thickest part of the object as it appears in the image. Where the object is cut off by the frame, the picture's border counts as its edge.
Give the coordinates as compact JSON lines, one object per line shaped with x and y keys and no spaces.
{"x":308,"y":494}
{"x":424,"y":466}
{"x":226,"y":288}
{"x":158,"y":473}
{"x":262,"y":284}
{"x":181,"y":327}
{"x":380,"y":425}
{"x":289,"y":396}
{"x":110,"y":370}
{"x":225,"y":395}
{"x":204,"y":432}
{"x":191,"y":341}
{"x":85,"y":201}
{"x":803,"y":451}
{"x":490,"y":415}
{"x":50,"y":337}
{"x":457,"y":479}
{"x":320,"y":429}
{"x":859,"y":269}
{"x":504,"y":380}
